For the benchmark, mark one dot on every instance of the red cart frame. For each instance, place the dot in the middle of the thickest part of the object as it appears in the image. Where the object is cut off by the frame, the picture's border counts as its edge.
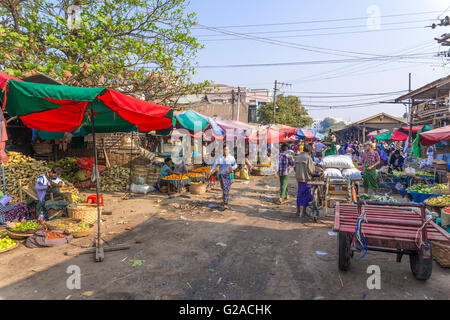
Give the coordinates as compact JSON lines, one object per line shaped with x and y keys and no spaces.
{"x":391,"y":227}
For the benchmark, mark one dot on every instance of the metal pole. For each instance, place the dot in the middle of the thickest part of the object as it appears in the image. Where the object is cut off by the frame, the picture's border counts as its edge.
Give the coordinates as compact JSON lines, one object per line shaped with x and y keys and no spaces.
{"x":99,"y":256}
{"x":131,"y":157}
{"x":410,"y":111}
{"x":238,"y":103}
{"x":232,"y":104}
{"x":274,"y":100}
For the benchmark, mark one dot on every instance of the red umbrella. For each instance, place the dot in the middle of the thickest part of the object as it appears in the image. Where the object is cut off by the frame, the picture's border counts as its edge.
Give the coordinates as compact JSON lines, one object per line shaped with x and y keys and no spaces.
{"x":434,"y":136}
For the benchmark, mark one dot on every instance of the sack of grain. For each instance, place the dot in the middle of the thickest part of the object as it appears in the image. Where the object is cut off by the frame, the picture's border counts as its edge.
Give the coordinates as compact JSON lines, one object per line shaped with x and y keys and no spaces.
{"x":332,"y":173}
{"x":352,"y":174}
{"x":337,"y":161}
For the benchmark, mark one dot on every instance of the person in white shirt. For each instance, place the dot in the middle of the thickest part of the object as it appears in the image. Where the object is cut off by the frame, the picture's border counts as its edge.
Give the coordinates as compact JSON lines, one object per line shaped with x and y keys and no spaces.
{"x":50,"y":182}
{"x":227,"y":164}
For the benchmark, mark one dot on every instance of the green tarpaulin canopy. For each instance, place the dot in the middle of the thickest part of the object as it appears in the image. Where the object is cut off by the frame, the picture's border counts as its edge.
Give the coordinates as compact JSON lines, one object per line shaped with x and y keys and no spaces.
{"x":57,"y":108}
{"x":188,"y":119}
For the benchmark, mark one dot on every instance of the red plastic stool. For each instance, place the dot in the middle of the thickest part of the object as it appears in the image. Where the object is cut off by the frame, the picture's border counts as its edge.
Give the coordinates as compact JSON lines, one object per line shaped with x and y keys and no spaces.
{"x":93,"y":199}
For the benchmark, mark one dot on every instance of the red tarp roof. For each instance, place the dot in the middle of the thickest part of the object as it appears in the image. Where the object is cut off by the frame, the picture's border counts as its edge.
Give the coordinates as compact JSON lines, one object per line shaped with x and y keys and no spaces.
{"x":434,"y":136}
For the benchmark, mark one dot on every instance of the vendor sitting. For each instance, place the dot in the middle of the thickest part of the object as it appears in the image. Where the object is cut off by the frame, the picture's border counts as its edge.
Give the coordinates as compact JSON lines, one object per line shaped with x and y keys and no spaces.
{"x":168,"y":168}
{"x":48,"y":181}
{"x":396,"y":162}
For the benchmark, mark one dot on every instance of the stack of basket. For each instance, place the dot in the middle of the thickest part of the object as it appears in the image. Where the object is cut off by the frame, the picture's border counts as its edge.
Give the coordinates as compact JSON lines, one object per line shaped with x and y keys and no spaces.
{"x":139,"y":171}
{"x":153,"y":175}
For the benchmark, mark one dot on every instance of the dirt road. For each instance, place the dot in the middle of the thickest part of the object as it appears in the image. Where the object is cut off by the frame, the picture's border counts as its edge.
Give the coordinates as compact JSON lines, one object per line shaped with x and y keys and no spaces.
{"x":190,"y":250}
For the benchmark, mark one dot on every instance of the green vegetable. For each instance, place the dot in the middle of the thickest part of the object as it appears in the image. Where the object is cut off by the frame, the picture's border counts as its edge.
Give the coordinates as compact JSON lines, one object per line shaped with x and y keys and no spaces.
{"x":29,"y":225}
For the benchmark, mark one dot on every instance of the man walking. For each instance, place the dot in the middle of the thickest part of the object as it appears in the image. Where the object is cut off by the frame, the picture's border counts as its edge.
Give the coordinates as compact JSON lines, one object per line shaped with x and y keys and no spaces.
{"x":304,"y":168}
{"x":285,"y":162}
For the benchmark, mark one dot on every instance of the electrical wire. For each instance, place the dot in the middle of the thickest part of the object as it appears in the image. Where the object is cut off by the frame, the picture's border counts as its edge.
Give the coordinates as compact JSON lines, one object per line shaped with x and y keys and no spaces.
{"x":314,"y":62}
{"x":328,"y":20}
{"x":316,"y":29}
{"x":320,"y":34}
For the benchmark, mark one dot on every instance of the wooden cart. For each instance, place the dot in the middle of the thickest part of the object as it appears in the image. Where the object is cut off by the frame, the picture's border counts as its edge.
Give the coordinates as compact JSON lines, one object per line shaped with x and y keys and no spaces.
{"x":388,"y":227}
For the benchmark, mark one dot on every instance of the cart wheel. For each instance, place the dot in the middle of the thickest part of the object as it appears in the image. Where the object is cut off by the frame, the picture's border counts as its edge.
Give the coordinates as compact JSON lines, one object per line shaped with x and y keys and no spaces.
{"x":331,"y":204}
{"x":316,"y":199}
{"x":344,"y":241}
{"x":422,"y":266}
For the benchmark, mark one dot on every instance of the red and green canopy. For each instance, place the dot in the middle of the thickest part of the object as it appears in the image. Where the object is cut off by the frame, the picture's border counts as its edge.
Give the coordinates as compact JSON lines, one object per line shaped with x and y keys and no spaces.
{"x":57,"y":108}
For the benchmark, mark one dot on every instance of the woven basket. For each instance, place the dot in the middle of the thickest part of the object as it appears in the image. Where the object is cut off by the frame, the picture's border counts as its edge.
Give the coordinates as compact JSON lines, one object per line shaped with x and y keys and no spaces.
{"x":80,"y":234}
{"x":53,"y":224}
{"x":19,"y":236}
{"x":441,"y":253}
{"x":85,"y":212}
{"x":42,"y":148}
{"x":197,"y":188}
{"x":441,"y":191}
{"x":9,"y":249}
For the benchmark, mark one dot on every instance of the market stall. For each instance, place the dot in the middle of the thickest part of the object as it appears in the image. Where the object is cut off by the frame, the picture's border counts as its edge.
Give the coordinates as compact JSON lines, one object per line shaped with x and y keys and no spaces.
{"x":72,"y":109}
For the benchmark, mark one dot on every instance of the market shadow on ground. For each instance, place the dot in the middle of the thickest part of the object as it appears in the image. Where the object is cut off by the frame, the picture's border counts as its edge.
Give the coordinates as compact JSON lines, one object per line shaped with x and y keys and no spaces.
{"x":186,"y":259}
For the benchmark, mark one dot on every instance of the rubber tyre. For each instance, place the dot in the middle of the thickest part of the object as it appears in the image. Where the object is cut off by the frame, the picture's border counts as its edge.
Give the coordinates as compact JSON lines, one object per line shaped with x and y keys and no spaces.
{"x":316,"y":199}
{"x":344,"y":242}
{"x":421,"y":267}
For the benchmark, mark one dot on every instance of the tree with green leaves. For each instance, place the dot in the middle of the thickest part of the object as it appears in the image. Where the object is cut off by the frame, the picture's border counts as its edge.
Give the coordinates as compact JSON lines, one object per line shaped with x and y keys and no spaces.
{"x":141,"y":47}
{"x":289,"y":112}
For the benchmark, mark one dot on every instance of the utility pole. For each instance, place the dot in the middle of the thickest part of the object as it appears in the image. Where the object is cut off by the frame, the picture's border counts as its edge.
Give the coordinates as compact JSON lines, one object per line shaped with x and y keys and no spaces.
{"x":232,"y":104}
{"x":410,"y":110}
{"x":274,"y":100}
{"x":238,"y":103}
{"x":275,"y":88}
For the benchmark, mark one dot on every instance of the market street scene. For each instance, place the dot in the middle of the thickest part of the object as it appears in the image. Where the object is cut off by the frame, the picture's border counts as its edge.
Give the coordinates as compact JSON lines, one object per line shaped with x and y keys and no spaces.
{"x":169,"y":150}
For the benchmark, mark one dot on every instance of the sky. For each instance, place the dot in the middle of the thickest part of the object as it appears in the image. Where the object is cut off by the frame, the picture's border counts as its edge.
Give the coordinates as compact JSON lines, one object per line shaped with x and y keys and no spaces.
{"x":347,"y":53}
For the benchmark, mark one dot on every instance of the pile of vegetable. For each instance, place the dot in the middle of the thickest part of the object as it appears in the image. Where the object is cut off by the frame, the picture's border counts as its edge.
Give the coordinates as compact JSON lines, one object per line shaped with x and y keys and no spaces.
{"x":423,"y":188}
{"x":6,"y":243}
{"x":175,"y":177}
{"x":203,"y":169}
{"x":375,"y":198}
{"x":447,"y":209}
{"x":397,"y":174}
{"x":55,"y":235}
{"x":114,"y":178}
{"x":26,"y":226}
{"x":69,"y":169}
{"x":18,"y":212}
{"x":438,"y":201}
{"x":424,"y":173}
{"x":20,"y":167}
{"x":80,"y":227}
{"x":194,"y":175}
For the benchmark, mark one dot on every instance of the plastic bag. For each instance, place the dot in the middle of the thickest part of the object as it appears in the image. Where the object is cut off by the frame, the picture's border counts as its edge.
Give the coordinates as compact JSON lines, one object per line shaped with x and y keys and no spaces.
{"x":140,"y":181}
{"x":332,"y":173}
{"x":352,"y":174}
{"x":144,"y":189}
{"x":337,"y":161}
{"x":86,"y":163}
{"x":244,"y":174}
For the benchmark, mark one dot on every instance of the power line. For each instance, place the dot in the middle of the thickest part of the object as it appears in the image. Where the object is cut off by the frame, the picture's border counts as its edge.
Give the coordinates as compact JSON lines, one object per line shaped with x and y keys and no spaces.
{"x":313,"y":62}
{"x":333,"y":74}
{"x":325,"y":28}
{"x":327,"y":20}
{"x":292,"y":45}
{"x":321,"y":34}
